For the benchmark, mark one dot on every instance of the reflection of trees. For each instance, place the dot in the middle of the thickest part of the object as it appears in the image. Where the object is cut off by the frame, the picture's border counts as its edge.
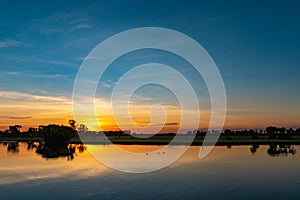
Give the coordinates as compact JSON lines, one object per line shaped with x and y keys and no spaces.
{"x":81,"y":148}
{"x":31,"y":145}
{"x":53,"y":150}
{"x":254,"y":148}
{"x":13,"y":147}
{"x":56,"y":134}
{"x":281,"y":149}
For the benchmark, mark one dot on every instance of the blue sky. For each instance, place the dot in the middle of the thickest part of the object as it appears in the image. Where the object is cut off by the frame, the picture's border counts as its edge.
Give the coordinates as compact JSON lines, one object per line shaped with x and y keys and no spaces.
{"x":256,"y":46}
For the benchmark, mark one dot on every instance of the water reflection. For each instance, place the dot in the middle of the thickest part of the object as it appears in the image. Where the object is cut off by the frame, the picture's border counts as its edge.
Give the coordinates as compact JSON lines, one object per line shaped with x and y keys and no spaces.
{"x":224,"y":174}
{"x":254,"y":148}
{"x":27,"y":164}
{"x":54,"y":151}
{"x":31,"y":145}
{"x":281,"y":149}
{"x":51,"y":150}
{"x":13,"y":147}
{"x":47,"y":150}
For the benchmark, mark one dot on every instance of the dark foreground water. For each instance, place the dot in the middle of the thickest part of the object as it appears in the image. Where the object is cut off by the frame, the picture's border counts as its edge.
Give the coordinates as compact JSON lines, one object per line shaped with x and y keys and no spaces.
{"x":240,"y":172}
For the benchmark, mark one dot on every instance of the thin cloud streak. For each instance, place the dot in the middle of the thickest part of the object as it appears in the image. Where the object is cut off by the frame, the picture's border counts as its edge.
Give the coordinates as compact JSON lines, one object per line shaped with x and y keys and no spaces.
{"x":10,"y":117}
{"x":59,"y":23}
{"x":34,"y":59}
{"x":33,"y":110}
{"x":31,"y":74}
{"x":10,"y":43}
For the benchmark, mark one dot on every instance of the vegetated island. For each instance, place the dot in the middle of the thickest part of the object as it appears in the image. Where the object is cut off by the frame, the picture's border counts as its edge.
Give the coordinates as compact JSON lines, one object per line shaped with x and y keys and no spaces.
{"x":56,"y":134}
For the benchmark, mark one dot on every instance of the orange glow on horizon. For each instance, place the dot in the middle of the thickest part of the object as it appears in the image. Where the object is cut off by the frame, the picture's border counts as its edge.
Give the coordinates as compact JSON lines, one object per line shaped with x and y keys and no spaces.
{"x":33,"y":110}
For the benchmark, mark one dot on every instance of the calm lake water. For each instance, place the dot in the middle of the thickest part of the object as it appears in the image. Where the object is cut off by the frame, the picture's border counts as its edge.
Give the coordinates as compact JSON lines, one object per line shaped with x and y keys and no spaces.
{"x":239,"y":172}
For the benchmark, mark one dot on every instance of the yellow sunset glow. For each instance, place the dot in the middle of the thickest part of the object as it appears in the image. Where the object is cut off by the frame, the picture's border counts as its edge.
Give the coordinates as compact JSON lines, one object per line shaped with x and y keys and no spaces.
{"x":33,"y":110}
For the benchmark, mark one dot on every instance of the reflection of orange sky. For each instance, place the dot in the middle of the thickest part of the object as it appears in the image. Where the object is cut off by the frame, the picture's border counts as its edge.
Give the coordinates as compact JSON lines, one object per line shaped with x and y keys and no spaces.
{"x":32,"y":111}
{"x":33,"y":167}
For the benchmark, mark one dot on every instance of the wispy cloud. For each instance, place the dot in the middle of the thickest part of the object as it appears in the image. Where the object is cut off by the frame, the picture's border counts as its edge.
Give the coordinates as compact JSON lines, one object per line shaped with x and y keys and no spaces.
{"x":60,"y":23}
{"x":42,"y":60}
{"x":79,"y":26}
{"x":10,"y":43}
{"x":55,"y":62}
{"x":172,"y":124}
{"x":108,"y":84}
{"x":34,"y":75}
{"x":33,"y":109}
{"x":10,"y":97}
{"x":10,"y":117}
{"x":37,"y":109}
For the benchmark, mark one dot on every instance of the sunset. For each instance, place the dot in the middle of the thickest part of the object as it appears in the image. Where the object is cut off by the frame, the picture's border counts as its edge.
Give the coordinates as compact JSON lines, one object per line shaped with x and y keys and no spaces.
{"x":111,"y":99}
{"x":41,"y":53}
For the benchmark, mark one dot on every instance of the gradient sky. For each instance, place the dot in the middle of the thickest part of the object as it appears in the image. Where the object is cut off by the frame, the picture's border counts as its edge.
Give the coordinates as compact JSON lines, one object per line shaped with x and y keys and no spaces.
{"x":255,"y":45}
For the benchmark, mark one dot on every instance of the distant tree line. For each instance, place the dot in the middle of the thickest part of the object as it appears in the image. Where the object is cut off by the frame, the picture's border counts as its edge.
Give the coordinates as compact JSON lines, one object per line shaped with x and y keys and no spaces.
{"x":64,"y":133}
{"x":274,"y":132}
{"x":271,"y":131}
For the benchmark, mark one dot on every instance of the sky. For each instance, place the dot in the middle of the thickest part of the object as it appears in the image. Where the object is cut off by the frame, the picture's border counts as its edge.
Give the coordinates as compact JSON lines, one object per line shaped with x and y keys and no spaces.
{"x":255,"y":45}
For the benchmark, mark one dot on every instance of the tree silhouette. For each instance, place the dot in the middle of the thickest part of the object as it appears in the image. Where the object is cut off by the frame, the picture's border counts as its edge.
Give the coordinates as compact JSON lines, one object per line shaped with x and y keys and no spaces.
{"x":227,"y":132}
{"x":271,"y":130}
{"x":14,"y":130}
{"x":56,"y":134}
{"x":32,"y":132}
{"x":72,"y":123}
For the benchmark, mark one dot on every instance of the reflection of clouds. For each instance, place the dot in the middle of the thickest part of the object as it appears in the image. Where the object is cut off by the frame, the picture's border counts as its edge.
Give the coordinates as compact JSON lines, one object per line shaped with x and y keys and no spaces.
{"x":29,"y":166}
{"x":55,"y":171}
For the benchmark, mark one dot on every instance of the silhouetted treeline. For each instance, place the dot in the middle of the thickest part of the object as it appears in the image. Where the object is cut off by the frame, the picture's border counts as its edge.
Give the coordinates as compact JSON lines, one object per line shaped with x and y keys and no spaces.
{"x":65,"y":133}
{"x":50,"y":133}
{"x":271,"y":131}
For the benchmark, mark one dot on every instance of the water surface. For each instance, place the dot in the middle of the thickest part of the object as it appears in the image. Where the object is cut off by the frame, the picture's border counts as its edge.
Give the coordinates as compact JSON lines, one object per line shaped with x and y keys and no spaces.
{"x":247,"y":172}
